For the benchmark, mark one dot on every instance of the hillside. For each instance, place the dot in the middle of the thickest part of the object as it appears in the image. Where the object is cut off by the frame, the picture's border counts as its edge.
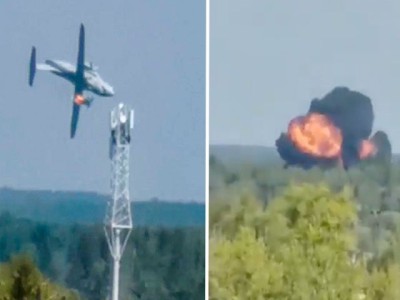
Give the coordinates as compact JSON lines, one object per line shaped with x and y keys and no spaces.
{"x":90,"y":208}
{"x":243,"y":154}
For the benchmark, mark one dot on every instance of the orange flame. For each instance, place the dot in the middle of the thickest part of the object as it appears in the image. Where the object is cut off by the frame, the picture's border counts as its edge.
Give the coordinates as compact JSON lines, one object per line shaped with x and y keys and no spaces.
{"x":316,"y":135}
{"x":367,"y":149}
{"x":79,"y":99}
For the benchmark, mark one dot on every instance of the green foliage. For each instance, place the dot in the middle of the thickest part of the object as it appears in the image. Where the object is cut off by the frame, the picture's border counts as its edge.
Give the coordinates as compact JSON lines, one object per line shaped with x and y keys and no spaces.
{"x":229,"y":217}
{"x":383,"y":284}
{"x":320,"y":226}
{"x":238,"y":268}
{"x":307,"y":243}
{"x":158,"y":263}
{"x":297,"y":248}
{"x":20,"y":279}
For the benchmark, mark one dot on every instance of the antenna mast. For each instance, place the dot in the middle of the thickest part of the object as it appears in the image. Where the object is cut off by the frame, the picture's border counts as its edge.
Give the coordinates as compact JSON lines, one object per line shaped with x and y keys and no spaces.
{"x":118,"y":220}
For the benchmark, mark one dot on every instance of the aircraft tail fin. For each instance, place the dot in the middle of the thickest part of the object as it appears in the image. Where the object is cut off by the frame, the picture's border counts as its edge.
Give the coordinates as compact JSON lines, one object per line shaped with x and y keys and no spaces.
{"x":32,"y":66}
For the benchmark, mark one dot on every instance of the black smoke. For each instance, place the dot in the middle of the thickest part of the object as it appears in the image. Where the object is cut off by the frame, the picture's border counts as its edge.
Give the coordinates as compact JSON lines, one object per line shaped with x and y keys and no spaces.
{"x":381,"y":140}
{"x":351,"y":112}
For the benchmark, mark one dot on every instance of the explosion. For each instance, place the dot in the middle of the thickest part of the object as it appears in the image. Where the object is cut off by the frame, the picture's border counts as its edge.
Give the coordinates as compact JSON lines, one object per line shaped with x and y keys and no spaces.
{"x":335,"y":130}
{"x":316,"y":135}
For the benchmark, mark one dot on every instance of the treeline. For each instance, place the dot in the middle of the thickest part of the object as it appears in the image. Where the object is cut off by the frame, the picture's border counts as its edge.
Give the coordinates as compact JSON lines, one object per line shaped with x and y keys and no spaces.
{"x":90,"y":208}
{"x":159,"y":263}
{"x":281,"y":233}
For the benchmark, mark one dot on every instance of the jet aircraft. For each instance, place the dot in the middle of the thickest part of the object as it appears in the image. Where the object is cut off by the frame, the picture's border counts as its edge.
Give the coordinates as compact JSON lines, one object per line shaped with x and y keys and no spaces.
{"x":84,"y":77}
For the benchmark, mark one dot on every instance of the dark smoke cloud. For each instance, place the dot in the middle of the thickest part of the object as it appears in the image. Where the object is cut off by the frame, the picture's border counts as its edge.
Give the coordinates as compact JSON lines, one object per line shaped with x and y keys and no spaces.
{"x":350,"y":111}
{"x":381,"y":140}
{"x":292,"y":156}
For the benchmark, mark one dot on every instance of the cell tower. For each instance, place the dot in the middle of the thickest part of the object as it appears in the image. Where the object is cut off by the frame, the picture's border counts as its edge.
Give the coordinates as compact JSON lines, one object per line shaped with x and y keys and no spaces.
{"x":118,"y":221}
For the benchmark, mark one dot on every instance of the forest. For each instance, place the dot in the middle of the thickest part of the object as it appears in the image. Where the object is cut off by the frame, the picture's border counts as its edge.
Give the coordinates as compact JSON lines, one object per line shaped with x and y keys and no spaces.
{"x":279,"y":232}
{"x":71,"y":260}
{"x":89,"y":208}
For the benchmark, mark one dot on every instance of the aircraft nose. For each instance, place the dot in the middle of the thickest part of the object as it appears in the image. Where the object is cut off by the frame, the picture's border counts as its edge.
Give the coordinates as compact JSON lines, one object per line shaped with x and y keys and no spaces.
{"x":110,"y":91}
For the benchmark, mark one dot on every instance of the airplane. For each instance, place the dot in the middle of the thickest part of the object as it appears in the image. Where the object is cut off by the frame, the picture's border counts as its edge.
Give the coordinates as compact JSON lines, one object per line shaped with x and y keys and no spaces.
{"x":84,"y":77}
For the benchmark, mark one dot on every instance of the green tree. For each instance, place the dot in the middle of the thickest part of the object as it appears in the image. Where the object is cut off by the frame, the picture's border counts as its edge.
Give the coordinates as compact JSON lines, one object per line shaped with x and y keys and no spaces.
{"x":20,"y":279}
{"x":300,"y":246}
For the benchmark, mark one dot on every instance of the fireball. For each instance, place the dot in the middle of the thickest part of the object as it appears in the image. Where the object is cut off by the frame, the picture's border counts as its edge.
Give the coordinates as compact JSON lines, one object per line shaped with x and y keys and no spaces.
{"x":316,"y":135}
{"x":79,"y":99}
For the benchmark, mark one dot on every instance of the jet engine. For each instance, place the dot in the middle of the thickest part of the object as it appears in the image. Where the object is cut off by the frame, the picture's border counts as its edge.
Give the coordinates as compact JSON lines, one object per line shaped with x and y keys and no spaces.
{"x":83,"y":100}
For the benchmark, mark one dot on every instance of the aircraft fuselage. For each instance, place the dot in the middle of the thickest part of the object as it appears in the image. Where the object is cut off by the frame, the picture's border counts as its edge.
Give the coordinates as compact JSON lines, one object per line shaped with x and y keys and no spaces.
{"x":93,"y":81}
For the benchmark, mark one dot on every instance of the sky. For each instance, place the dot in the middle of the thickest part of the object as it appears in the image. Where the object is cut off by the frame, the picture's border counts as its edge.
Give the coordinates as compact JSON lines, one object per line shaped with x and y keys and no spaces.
{"x":151,"y":52}
{"x":269,"y":59}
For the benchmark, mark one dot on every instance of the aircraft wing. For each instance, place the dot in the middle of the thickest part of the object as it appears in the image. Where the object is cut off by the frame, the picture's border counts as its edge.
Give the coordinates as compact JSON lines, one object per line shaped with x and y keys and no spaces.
{"x":74,"y":119}
{"x":80,"y":65}
{"x":79,"y":79}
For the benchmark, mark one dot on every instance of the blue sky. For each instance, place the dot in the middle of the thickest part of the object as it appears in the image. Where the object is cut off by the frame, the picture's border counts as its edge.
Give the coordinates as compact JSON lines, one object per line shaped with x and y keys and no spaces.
{"x":152,"y":52}
{"x":269,"y":59}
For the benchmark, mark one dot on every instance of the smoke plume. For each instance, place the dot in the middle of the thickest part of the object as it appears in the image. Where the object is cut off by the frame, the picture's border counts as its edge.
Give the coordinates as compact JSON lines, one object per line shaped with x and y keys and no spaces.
{"x":335,"y":130}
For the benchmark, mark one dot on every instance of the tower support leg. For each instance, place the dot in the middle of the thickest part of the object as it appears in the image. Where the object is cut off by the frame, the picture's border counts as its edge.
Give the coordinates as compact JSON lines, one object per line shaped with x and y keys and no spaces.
{"x":117,"y":257}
